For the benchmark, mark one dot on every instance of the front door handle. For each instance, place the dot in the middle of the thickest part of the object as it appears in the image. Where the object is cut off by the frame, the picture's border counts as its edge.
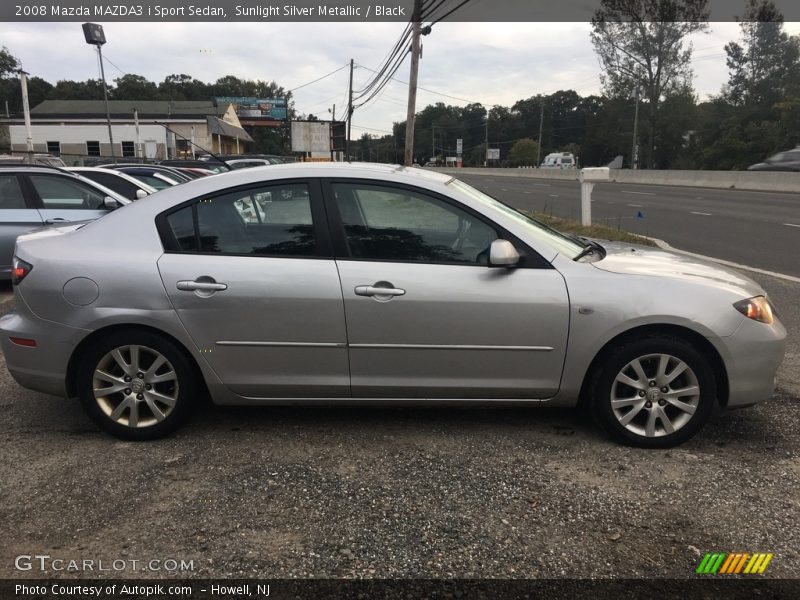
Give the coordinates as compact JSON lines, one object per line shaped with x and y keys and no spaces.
{"x":55,"y":221}
{"x":201,"y":286}
{"x":370,"y":290}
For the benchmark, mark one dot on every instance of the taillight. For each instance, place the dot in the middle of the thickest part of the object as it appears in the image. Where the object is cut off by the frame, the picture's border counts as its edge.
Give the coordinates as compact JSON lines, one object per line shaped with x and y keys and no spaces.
{"x":20,"y":270}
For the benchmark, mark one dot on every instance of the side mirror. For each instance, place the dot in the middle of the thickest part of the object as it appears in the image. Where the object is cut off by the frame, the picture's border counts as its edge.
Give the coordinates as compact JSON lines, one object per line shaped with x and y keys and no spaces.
{"x":503,"y":254}
{"x":140,"y":193}
{"x":110,"y":203}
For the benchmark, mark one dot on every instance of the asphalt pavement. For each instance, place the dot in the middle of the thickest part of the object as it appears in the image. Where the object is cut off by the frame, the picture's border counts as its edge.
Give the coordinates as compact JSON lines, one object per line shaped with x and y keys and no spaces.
{"x":757,"y":229}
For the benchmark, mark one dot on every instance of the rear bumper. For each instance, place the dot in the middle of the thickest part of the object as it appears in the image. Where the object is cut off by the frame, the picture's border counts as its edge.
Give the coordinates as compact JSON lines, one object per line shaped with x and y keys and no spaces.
{"x":754,"y":353}
{"x":43,"y":368}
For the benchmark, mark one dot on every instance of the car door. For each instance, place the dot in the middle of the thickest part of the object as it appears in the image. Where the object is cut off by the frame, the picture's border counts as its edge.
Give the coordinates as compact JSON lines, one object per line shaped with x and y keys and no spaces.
{"x":63,"y":198}
{"x":252,"y":278}
{"x":17,"y":215}
{"x":426,"y":316}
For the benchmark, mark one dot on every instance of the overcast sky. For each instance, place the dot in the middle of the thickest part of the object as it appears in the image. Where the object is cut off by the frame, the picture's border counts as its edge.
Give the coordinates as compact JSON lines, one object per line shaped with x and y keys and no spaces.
{"x":490,"y":63}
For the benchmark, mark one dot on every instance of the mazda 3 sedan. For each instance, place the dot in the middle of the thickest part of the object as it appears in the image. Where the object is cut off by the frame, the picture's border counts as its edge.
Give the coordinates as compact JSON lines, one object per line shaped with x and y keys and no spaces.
{"x":310,"y":283}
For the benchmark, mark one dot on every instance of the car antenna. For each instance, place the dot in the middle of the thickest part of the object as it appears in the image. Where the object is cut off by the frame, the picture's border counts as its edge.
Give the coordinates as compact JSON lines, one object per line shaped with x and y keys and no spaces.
{"x":210,"y":153}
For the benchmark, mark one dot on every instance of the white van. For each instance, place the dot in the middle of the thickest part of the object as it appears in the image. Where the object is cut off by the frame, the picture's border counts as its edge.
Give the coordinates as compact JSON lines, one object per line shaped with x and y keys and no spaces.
{"x":559,"y":160}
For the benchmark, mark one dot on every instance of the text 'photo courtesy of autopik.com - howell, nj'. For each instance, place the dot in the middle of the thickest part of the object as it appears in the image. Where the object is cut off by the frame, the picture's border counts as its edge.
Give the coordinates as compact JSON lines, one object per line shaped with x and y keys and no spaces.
{"x":399,"y":299}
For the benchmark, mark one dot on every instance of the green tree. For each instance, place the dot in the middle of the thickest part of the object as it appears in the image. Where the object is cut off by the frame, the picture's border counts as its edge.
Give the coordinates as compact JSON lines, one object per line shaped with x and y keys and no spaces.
{"x":134,"y":87}
{"x":523,"y":153}
{"x":8,"y":63}
{"x":642,"y":44}
{"x":765,"y":67}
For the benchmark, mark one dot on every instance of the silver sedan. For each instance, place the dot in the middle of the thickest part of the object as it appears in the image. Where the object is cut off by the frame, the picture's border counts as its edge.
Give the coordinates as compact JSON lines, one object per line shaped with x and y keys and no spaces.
{"x":366,"y":284}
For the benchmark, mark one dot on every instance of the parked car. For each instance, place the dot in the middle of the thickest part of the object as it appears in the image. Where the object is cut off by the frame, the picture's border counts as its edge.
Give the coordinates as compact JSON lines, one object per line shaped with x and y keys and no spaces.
{"x":158,"y":179}
{"x":246,"y":163}
{"x":171,"y":172}
{"x":376,"y":283}
{"x":122,"y":183}
{"x":46,"y":160}
{"x":213,"y":165}
{"x":37,"y":196}
{"x":782,"y":161}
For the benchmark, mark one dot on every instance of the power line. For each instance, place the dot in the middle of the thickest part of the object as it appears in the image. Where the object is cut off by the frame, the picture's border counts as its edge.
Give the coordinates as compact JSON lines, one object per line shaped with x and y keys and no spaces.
{"x":450,"y":12}
{"x":318,"y":78}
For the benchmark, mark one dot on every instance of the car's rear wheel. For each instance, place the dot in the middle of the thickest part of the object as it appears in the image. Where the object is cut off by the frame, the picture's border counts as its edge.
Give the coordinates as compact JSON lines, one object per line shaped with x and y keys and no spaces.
{"x":136,"y":385}
{"x":656,"y":392}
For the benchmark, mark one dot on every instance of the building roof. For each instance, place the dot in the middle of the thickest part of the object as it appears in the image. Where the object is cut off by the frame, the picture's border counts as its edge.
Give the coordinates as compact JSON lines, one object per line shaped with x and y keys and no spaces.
{"x":175,"y":109}
{"x":219,"y":127}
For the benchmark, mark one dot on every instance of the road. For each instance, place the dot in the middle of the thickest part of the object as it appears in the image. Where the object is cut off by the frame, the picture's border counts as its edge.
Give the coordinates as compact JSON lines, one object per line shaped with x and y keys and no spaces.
{"x":757,"y":229}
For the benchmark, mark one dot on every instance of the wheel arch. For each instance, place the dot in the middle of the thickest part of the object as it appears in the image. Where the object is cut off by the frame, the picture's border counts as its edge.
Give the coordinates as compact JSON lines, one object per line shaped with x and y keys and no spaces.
{"x":707,"y":348}
{"x":72,"y":365}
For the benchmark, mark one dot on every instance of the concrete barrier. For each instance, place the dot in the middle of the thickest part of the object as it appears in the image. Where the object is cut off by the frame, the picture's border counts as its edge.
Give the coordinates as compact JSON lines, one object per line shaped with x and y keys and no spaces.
{"x":765,"y":181}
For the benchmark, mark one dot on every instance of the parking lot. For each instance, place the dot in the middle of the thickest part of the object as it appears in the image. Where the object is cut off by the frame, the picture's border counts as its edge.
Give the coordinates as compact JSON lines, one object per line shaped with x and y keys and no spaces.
{"x":348,"y":492}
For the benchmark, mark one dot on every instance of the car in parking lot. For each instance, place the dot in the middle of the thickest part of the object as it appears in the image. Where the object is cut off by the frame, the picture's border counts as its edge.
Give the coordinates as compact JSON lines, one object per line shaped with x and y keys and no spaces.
{"x":376,"y":284}
{"x":37,"y":196}
{"x":122,"y":183}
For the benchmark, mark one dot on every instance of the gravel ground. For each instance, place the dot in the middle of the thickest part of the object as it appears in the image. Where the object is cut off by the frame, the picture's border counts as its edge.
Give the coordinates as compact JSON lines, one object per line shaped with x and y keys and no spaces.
{"x":425,"y":493}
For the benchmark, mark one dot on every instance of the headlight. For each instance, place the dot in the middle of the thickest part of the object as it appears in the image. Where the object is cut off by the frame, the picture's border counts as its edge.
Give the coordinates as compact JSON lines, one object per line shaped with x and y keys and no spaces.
{"x":758,"y":309}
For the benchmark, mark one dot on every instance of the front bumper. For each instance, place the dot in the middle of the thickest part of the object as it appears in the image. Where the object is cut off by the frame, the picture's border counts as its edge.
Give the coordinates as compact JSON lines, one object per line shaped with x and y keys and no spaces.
{"x":753,"y":354}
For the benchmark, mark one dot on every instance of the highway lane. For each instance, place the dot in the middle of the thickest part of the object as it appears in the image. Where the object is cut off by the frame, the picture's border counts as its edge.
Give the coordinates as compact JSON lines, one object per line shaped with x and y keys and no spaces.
{"x":758,"y":229}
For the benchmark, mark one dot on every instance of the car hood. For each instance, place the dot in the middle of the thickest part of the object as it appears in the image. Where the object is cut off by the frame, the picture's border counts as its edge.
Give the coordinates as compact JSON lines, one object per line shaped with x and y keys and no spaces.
{"x":646,"y":260}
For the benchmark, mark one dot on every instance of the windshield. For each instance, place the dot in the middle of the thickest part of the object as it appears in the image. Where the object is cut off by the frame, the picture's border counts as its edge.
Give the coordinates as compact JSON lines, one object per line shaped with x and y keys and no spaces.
{"x":547,"y":235}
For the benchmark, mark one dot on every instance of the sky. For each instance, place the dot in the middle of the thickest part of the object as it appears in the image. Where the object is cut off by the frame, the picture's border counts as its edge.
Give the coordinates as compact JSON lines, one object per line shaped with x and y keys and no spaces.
{"x":490,"y":63}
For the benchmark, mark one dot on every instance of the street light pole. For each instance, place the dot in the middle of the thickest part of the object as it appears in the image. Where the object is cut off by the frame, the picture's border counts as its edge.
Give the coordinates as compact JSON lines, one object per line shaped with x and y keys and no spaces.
{"x":635,"y":144}
{"x":26,"y":110}
{"x":94,"y":35}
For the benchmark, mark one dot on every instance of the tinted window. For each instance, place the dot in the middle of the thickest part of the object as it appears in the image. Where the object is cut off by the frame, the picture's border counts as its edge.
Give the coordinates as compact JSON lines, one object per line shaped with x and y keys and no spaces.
{"x":267,"y":221}
{"x":383,"y":223}
{"x":182,"y":225}
{"x":10,"y":192}
{"x":62,"y":192}
{"x":117,"y":184}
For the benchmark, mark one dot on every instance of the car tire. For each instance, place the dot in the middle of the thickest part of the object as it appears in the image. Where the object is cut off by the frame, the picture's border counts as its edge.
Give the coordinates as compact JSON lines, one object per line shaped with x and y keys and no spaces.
{"x":136,"y":385}
{"x":653,"y":392}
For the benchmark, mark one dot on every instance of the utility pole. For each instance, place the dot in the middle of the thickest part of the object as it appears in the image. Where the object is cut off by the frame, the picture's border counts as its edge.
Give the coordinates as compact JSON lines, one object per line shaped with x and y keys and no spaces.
{"x":412,"y":83}
{"x":349,"y":114}
{"x":433,"y":143}
{"x":486,"y":154}
{"x":541,"y":124}
{"x":333,"y":120}
{"x":23,"y":80}
{"x":635,"y":144}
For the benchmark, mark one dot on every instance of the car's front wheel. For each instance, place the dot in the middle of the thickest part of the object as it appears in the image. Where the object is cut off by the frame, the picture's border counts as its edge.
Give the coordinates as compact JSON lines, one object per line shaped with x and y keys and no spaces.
{"x":655,"y":392}
{"x":136,"y":385}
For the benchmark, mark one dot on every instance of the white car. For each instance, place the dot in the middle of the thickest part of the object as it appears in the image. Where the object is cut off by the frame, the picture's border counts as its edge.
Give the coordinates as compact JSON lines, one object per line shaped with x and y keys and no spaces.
{"x":122,"y":183}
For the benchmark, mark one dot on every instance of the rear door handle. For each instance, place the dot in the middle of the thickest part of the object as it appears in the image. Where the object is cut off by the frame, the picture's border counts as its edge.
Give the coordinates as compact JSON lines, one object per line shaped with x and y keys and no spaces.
{"x":369,"y":290}
{"x":202,"y":286}
{"x":55,"y":220}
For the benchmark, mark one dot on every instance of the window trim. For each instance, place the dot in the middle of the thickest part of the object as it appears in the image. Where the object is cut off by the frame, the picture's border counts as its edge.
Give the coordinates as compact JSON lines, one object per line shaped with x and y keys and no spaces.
{"x":318,"y":221}
{"x":529,"y":258}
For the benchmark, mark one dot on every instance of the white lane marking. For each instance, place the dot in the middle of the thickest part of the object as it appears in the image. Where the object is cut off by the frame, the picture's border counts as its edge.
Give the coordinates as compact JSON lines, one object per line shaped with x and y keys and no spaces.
{"x":665,"y":246}
{"x":542,"y":184}
{"x":640,"y":193}
{"x":553,"y":195}
{"x":503,"y":189}
{"x":527,"y":192}
{"x":694,"y":212}
{"x":636,"y":205}
{"x":791,"y":225}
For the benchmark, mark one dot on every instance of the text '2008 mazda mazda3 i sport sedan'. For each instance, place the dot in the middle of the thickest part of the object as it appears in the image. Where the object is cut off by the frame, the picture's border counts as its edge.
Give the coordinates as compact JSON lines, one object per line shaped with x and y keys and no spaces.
{"x":376,"y":284}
